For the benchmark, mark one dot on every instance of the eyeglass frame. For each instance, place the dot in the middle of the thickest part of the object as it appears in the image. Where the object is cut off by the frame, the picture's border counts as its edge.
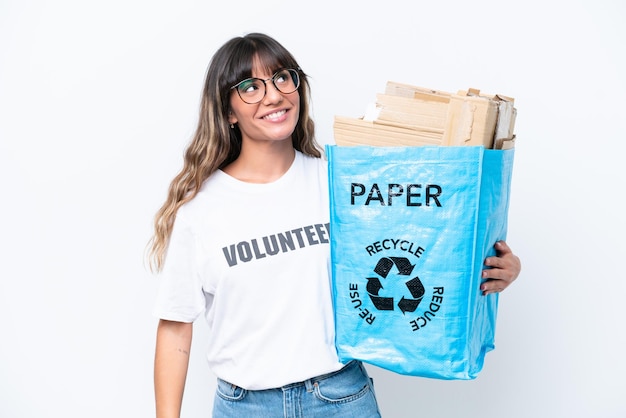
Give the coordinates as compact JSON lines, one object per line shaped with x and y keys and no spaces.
{"x":295,"y":70}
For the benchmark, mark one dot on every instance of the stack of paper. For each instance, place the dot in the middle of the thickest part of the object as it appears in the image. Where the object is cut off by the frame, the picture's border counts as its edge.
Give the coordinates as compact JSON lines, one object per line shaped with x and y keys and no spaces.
{"x":407,"y":115}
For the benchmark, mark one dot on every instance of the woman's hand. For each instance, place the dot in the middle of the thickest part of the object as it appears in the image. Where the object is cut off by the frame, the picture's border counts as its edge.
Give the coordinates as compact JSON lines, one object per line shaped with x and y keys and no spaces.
{"x":504,"y":269}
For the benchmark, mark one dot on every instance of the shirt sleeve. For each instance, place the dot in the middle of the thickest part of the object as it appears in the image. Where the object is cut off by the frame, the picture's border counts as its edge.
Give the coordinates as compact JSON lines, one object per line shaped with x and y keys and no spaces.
{"x":180,"y":296}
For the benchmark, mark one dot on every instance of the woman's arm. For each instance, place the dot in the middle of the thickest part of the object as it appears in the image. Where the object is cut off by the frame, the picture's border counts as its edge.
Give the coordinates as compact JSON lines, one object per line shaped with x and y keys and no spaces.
{"x":171,"y":360}
{"x":504,"y":269}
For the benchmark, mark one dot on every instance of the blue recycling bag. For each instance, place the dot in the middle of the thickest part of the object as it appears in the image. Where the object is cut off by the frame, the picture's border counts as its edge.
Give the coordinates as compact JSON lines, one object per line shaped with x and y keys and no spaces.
{"x":410,"y":229}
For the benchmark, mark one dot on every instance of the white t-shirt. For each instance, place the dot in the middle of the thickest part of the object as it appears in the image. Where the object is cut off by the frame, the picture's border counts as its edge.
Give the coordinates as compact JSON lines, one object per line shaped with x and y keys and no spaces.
{"x":255,"y":258}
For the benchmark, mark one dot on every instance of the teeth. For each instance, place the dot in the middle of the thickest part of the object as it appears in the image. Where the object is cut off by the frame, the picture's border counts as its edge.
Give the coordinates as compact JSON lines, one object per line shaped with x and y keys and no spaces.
{"x":275,"y":115}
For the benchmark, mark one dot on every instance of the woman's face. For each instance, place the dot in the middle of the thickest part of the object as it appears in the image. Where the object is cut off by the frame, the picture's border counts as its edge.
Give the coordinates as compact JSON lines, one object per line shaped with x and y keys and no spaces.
{"x":274,"y":118}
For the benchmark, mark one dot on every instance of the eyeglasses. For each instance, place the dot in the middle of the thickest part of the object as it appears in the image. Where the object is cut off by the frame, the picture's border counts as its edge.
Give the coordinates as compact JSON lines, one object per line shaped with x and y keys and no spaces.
{"x":252,"y":90}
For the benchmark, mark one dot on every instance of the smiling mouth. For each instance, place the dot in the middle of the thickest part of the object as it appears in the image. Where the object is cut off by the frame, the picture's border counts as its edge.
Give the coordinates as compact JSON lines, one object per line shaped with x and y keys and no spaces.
{"x":275,"y":115}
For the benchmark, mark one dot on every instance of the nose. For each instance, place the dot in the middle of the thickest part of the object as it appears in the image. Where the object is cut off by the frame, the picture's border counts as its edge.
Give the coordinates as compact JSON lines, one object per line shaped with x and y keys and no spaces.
{"x":272,"y":95}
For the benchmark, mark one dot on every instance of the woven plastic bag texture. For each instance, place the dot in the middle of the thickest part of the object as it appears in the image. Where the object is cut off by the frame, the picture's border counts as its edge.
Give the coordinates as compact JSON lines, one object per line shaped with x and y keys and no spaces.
{"x":410,"y":229}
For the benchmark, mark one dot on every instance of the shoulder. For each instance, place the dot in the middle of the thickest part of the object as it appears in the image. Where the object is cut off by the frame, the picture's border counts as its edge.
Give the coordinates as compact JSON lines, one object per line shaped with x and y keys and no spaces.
{"x":201,"y":202}
{"x":312,"y":163}
{"x":313,"y":173}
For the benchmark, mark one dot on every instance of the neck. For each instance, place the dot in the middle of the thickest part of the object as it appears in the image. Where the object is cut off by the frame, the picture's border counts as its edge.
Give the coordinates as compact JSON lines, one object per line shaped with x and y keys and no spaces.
{"x":262,"y":162}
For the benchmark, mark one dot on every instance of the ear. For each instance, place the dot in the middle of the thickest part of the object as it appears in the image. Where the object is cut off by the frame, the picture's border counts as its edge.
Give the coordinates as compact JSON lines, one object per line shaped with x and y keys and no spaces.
{"x":231,"y":118}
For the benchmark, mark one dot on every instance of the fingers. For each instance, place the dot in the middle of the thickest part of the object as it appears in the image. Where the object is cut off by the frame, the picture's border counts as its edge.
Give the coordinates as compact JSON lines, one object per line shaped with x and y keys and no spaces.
{"x":492,"y":286}
{"x":502,"y":248}
{"x":504,"y":269}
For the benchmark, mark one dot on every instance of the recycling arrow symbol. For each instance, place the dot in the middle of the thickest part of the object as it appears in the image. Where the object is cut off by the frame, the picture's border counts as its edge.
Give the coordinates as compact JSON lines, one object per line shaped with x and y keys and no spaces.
{"x":414,"y":285}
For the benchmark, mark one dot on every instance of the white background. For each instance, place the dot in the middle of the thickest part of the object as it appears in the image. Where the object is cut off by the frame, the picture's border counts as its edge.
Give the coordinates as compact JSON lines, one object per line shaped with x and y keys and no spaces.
{"x":99,"y":99}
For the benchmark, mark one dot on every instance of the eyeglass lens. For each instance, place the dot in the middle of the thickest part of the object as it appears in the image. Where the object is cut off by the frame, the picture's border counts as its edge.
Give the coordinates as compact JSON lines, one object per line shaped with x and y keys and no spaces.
{"x":252,"y":90}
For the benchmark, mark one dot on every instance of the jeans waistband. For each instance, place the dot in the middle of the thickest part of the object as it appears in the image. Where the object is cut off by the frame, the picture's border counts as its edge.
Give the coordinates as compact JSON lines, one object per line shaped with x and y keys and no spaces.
{"x":309,"y":384}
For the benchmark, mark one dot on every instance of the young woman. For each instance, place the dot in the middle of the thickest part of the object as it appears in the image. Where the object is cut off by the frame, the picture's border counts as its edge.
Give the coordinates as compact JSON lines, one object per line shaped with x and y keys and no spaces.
{"x":244,"y":231}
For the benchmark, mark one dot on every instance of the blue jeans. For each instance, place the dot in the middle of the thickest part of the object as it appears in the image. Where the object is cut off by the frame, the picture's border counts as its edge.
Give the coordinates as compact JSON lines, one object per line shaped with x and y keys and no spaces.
{"x":345,"y":393}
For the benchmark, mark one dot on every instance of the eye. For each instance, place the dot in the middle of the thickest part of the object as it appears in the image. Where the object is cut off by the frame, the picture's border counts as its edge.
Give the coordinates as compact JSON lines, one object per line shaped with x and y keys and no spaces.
{"x":282,"y":77}
{"x":249,"y":86}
